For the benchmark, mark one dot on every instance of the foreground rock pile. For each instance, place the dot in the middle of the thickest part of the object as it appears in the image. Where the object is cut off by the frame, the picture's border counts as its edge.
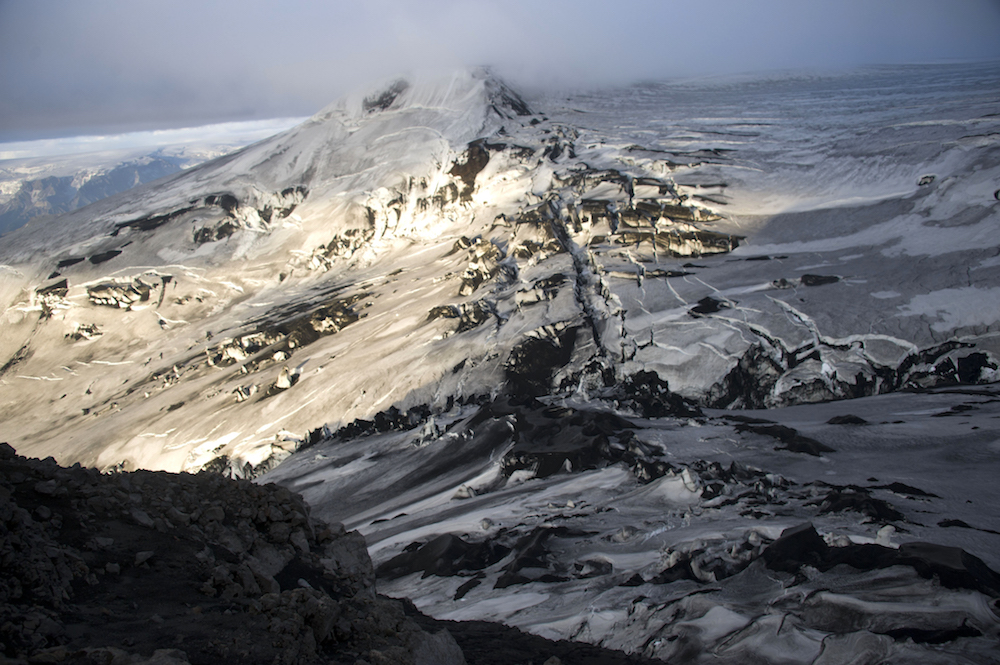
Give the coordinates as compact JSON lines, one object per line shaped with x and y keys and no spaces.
{"x":150,"y":567}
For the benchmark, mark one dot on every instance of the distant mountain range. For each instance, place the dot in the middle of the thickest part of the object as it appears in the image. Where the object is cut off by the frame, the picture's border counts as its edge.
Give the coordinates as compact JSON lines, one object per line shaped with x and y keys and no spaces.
{"x":49,"y":177}
{"x":54,"y":195}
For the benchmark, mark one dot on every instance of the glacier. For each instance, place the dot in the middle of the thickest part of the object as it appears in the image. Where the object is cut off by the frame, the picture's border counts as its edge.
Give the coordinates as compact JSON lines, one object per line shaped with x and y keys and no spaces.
{"x":694,"y":370}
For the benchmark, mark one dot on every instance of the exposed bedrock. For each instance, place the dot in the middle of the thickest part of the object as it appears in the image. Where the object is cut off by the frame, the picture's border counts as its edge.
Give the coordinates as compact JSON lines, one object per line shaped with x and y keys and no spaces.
{"x":468,"y":315}
{"x":532,"y":364}
{"x":258,"y":211}
{"x":770,"y":375}
{"x":790,"y":439}
{"x":124,"y":293}
{"x":231,"y":571}
{"x":953,"y":567}
{"x":382,"y":100}
{"x":285,"y":337}
{"x":476,"y":158}
{"x":252,"y":209}
{"x":650,"y":396}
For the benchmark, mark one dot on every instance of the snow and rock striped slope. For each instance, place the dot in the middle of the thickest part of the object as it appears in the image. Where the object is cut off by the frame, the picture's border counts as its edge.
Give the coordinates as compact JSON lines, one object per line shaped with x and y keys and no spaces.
{"x":393,"y":250}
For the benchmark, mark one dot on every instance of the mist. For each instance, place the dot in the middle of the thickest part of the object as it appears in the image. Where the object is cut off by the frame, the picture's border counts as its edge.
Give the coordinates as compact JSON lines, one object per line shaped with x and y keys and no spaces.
{"x":114,"y":66}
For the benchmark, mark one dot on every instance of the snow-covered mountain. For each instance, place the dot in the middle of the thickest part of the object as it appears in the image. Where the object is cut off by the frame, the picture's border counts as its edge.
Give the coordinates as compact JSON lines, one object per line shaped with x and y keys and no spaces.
{"x":499,"y":337}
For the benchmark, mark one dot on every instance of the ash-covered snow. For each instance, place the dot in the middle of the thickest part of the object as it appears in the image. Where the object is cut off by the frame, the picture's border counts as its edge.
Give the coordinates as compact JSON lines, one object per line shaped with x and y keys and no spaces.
{"x":500,"y":337}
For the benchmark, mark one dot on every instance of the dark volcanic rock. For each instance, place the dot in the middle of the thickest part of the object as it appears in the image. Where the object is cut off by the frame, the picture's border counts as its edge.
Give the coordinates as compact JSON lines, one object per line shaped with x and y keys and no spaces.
{"x":532,"y":363}
{"x":953,"y":567}
{"x":847,"y":419}
{"x":104,"y":256}
{"x":708,"y":305}
{"x":444,"y":556}
{"x":151,"y":222}
{"x":793,"y":441}
{"x":392,"y":419}
{"x":970,"y":368}
{"x":549,"y":439}
{"x":381,"y":101}
{"x":819,"y":280}
{"x":58,"y":289}
{"x":153,"y":568}
{"x":747,"y":385}
{"x":117,"y":294}
{"x":214,"y":570}
{"x":650,"y":395}
{"x":65,"y":263}
{"x":934,"y":636}
{"x":965,"y":525}
{"x":860,"y":501}
{"x":796,"y":546}
{"x":486,"y":643}
{"x":476,"y":159}
{"x":906,"y":490}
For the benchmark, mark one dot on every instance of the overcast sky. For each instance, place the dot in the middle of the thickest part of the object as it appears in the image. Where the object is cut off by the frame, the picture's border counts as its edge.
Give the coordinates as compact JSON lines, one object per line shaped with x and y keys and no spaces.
{"x":93,"y":66}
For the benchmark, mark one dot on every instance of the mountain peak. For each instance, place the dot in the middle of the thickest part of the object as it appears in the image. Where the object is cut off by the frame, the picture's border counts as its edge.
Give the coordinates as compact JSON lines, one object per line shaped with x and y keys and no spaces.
{"x":464,"y":90}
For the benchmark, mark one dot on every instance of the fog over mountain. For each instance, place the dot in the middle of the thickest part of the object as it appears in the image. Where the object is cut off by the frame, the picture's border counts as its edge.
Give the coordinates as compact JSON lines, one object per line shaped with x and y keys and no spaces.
{"x":109,"y":66}
{"x":702,"y":372}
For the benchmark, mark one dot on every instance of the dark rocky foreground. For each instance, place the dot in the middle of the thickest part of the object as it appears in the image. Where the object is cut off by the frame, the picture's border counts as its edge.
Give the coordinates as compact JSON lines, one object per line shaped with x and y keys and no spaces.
{"x":158,"y":568}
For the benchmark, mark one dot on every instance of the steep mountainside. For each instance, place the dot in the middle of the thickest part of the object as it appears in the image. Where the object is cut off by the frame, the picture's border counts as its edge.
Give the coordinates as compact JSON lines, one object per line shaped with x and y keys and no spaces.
{"x":46,"y":177}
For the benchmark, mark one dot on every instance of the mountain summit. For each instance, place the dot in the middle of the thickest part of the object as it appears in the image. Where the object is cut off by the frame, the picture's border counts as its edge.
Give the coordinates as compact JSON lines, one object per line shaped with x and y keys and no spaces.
{"x":388,"y":252}
{"x":362,"y":141}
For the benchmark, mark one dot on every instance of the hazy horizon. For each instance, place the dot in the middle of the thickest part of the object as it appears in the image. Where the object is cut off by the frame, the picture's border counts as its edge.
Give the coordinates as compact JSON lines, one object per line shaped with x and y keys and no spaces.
{"x":110,"y":66}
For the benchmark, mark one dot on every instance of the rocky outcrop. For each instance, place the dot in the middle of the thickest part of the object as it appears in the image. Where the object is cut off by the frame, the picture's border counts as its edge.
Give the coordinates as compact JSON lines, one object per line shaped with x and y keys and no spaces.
{"x":162,"y":568}
{"x":382,"y":100}
{"x":769,"y":374}
{"x":257,"y":211}
{"x":152,"y":568}
{"x":122,"y":294}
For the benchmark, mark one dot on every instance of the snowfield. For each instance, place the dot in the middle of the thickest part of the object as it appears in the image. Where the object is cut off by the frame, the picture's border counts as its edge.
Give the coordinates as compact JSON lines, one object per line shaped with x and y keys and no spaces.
{"x":700,"y":370}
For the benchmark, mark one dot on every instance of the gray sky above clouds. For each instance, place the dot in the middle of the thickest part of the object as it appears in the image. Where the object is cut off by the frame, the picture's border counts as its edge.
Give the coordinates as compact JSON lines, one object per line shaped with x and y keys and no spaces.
{"x":85,"y":66}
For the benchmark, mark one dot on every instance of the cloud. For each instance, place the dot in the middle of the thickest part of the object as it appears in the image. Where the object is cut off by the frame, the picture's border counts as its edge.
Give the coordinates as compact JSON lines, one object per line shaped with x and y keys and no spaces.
{"x":132,"y":64}
{"x":221,"y":134}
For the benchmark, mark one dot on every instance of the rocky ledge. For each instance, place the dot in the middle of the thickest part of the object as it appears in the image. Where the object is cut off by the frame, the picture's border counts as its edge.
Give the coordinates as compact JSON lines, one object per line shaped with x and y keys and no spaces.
{"x":151,"y":567}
